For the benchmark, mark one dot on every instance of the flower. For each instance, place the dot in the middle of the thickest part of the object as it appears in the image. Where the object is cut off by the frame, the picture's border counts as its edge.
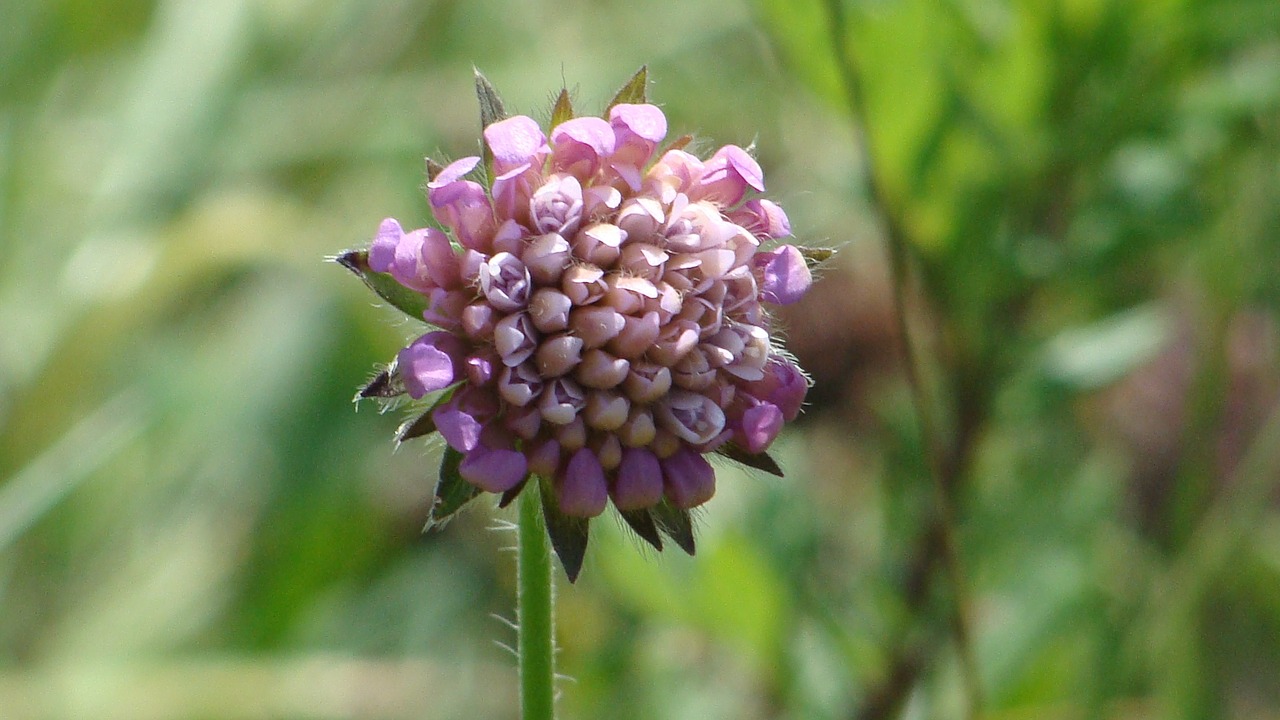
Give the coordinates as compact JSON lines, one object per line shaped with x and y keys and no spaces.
{"x":602,"y":316}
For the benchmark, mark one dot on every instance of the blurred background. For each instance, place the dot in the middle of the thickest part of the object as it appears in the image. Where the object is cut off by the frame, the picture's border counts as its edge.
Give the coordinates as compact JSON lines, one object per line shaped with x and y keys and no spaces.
{"x":196,"y":523}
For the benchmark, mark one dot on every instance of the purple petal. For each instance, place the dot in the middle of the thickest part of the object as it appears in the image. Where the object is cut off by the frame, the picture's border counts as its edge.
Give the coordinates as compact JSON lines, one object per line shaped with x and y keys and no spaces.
{"x":760,"y":425}
{"x":429,"y":363}
{"x":689,"y":480}
{"x":727,"y":175}
{"x":582,"y":490}
{"x":494,"y":470}
{"x":459,"y":428}
{"x":639,"y":481}
{"x":637,"y":131}
{"x":383,"y":251}
{"x":453,"y":172}
{"x":514,"y":142}
{"x":762,"y":218}
{"x":580,"y":145}
{"x":784,"y":275}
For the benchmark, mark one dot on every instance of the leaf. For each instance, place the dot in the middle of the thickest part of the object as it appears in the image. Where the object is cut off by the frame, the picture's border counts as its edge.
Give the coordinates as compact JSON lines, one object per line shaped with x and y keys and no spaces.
{"x":675,"y":524}
{"x":568,"y":534}
{"x":634,"y":91}
{"x":452,"y":490}
{"x":759,"y":461}
{"x":562,"y":110}
{"x":398,"y":296}
{"x":642,"y":522}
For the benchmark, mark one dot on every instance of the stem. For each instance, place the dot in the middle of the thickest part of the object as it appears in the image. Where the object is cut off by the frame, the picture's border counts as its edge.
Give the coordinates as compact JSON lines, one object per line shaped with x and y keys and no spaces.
{"x":936,"y":453}
{"x":534,"y":611}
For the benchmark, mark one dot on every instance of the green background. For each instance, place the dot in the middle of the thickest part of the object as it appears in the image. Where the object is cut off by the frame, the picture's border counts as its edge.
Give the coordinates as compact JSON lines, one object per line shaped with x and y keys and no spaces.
{"x":195,"y":523}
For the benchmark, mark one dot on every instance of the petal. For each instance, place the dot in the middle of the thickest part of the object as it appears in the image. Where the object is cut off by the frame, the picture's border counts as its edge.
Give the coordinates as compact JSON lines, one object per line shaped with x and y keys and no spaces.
{"x":428,"y":364}
{"x":383,"y":251}
{"x":514,"y":141}
{"x":494,"y":470}
{"x":639,"y":481}
{"x":688,"y":479}
{"x":784,"y":275}
{"x":581,"y":490}
{"x":760,"y":425}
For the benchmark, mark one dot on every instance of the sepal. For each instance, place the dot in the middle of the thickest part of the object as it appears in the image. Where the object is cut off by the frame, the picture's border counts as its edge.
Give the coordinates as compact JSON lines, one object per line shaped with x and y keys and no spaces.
{"x":568,"y":534}
{"x":407,"y":301}
{"x":642,"y":523}
{"x":675,"y":524}
{"x":634,"y":92}
{"x":452,"y":490}
{"x":562,"y":110}
{"x":758,"y":461}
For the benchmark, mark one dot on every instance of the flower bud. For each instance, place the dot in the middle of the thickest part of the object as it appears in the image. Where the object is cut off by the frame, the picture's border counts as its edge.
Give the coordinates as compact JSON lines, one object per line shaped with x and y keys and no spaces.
{"x":558,"y":355}
{"x":638,"y":484}
{"x":606,"y":411}
{"x":549,"y":310}
{"x":688,"y":479}
{"x":561,"y":401}
{"x":580,"y":487}
{"x":601,"y":370}
{"x":515,"y":339}
{"x":689,"y":416}
{"x":646,"y":382}
{"x":546,"y":257}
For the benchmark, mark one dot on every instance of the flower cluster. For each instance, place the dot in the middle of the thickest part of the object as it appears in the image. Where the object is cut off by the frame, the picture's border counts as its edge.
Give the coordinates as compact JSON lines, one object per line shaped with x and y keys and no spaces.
{"x":600,"y":312}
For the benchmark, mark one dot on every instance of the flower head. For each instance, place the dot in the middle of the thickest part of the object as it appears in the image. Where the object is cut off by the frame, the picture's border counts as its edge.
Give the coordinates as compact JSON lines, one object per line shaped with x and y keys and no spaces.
{"x":603,"y":316}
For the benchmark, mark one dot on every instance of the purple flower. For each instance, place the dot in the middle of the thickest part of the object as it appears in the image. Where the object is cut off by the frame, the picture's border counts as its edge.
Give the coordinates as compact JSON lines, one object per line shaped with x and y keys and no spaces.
{"x":603,"y":313}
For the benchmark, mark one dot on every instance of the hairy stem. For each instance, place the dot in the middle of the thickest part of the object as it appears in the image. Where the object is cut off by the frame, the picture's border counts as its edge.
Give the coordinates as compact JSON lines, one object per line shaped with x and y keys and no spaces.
{"x":534,"y":611}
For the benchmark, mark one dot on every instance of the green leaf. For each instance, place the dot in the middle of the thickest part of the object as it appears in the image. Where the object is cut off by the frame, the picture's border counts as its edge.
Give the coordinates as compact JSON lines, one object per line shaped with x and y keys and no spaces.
{"x":562,"y":110}
{"x":759,"y":461}
{"x":568,"y":534}
{"x":642,"y":522}
{"x":398,"y":296}
{"x":634,"y":91}
{"x":675,"y":524}
{"x":452,"y":490}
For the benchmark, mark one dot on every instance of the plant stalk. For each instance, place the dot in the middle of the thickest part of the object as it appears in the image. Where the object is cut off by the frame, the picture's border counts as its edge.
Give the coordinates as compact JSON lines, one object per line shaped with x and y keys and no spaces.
{"x":534,"y":611}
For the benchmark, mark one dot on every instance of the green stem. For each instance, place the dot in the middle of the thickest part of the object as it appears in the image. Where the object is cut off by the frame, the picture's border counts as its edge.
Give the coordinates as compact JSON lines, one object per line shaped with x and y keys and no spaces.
{"x":534,"y":611}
